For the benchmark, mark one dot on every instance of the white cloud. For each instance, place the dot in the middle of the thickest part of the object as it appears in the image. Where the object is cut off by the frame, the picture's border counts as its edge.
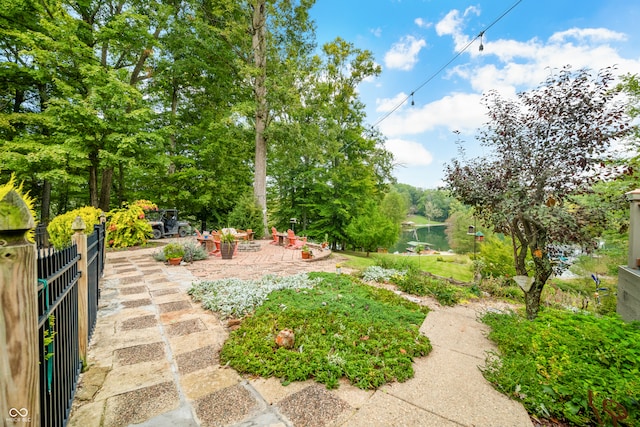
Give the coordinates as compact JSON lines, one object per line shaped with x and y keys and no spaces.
{"x":595,"y":35}
{"x":404,"y":54}
{"x":459,"y":111}
{"x":506,"y":65}
{"x":376,"y":31}
{"x":387,"y":104}
{"x":452,"y":24}
{"x":409,"y":153}
{"x":422,"y":23}
{"x":472,"y":9}
{"x":525,"y":65}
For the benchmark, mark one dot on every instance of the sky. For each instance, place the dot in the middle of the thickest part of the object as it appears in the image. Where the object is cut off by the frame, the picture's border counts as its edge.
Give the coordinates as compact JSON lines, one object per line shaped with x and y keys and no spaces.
{"x":420,"y":46}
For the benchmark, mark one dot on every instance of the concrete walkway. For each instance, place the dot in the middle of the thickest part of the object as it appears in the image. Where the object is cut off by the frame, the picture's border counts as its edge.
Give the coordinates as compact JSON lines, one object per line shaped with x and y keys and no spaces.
{"x":153,"y":360}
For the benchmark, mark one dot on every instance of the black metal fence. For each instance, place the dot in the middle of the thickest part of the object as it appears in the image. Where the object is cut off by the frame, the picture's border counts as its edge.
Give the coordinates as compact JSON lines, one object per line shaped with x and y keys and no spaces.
{"x":95,"y":268}
{"x":42,"y":237}
{"x":60,"y":363}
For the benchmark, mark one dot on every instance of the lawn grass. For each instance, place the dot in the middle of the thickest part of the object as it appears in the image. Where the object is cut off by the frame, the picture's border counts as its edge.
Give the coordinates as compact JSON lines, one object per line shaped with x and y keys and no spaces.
{"x":343,"y":328}
{"x":553,"y":364}
{"x":421,"y":220}
{"x":457,"y":267}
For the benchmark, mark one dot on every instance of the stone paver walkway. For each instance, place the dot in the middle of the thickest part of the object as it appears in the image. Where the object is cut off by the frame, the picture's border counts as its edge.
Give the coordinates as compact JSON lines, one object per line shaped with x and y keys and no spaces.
{"x":153,"y":360}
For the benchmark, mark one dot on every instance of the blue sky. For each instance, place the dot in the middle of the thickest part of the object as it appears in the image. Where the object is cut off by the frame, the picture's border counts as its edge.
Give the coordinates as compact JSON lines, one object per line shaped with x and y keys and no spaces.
{"x":412,"y":39}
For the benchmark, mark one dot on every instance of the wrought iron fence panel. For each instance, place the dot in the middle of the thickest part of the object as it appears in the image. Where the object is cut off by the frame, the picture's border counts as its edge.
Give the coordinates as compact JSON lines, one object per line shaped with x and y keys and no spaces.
{"x":42,"y":236}
{"x":95,"y":249}
{"x":60,"y":362}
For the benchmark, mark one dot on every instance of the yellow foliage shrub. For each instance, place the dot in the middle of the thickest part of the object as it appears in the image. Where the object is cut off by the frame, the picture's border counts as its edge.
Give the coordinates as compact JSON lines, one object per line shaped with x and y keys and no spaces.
{"x":59,"y":228}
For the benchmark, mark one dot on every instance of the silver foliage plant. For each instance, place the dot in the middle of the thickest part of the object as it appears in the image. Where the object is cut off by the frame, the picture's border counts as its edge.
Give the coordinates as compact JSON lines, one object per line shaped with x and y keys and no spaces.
{"x":237,"y":298}
{"x":378,"y":274}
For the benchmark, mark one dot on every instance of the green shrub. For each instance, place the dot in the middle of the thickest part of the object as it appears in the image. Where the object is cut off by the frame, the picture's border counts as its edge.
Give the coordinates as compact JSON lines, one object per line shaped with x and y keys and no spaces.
{"x":247,"y":214}
{"x":501,"y":287}
{"x":552,"y":363}
{"x":497,"y":257}
{"x":59,"y":228}
{"x":127,"y":226}
{"x":580,"y":293}
{"x":194,"y":252}
{"x":173,"y":250}
{"x":159,"y":255}
{"x":411,"y":284}
{"x":445,"y":294}
{"x":412,"y":280}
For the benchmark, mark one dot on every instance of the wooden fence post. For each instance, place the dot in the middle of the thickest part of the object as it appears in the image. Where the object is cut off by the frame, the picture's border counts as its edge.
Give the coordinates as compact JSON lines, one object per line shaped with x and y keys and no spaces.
{"x":19,"y":342}
{"x":80,"y":239}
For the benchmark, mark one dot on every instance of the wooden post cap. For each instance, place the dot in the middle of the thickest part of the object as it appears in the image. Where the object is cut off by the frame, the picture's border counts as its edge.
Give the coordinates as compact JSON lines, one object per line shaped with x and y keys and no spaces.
{"x":14,"y":213}
{"x":78,"y":224}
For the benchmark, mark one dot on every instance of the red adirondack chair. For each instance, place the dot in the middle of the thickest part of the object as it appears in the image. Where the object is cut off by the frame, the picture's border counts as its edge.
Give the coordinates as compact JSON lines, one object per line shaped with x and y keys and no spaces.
{"x":291,"y":236}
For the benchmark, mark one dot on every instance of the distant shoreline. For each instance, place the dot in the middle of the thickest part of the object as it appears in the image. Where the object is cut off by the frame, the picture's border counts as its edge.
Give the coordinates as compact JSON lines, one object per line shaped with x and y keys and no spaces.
{"x":413,"y":226}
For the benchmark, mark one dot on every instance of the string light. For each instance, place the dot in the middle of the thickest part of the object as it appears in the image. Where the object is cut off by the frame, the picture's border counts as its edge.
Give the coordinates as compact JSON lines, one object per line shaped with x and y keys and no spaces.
{"x":439,"y":70}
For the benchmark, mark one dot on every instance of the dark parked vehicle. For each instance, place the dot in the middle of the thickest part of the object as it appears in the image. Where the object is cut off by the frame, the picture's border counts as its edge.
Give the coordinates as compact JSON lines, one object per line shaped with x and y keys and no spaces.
{"x":165,"y":223}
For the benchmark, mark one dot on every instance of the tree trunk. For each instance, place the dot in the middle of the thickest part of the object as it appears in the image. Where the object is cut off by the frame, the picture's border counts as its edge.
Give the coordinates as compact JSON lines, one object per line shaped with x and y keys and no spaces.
{"x":46,"y":202}
{"x":172,"y":137}
{"x":541,"y":271}
{"x":18,"y":100}
{"x":105,"y":189}
{"x":532,"y":300}
{"x":260,"y":92}
{"x":45,"y":210}
{"x":120,"y":185}
{"x":93,"y":179}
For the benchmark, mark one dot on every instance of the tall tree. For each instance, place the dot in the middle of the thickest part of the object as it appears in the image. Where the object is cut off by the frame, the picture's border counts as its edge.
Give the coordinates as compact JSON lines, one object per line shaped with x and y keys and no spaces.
{"x":279,"y":29}
{"x":259,"y":45}
{"x":548,"y":145}
{"x":25,"y":88}
{"x":89,"y":58}
{"x":394,"y":206}
{"x":200,"y":110}
{"x":326,"y":164}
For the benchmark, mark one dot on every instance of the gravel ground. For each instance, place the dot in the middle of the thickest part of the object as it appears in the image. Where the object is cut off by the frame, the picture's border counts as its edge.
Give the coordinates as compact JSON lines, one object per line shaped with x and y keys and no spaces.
{"x":140,"y":405}
{"x":313,"y":406}
{"x":140,"y":353}
{"x":226,"y":406}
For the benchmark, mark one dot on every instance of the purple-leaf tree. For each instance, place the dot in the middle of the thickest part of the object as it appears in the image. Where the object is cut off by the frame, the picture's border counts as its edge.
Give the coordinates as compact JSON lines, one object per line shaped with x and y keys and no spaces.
{"x":545,"y":146}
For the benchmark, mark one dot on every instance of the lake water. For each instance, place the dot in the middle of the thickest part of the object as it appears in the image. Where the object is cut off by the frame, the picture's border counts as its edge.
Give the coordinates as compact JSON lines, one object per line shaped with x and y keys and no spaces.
{"x":433,"y":234}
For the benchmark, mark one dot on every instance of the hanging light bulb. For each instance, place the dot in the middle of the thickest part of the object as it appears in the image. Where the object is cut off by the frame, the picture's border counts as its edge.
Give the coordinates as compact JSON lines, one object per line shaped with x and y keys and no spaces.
{"x":412,"y":102}
{"x":481,"y":47}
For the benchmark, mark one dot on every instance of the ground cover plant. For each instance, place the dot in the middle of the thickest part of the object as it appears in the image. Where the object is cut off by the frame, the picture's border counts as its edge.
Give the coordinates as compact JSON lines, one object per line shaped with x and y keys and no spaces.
{"x":456,"y":267}
{"x":553,"y":363}
{"x":408,"y":278}
{"x":342,"y":327}
{"x":580,"y":293}
{"x":237,"y":298}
